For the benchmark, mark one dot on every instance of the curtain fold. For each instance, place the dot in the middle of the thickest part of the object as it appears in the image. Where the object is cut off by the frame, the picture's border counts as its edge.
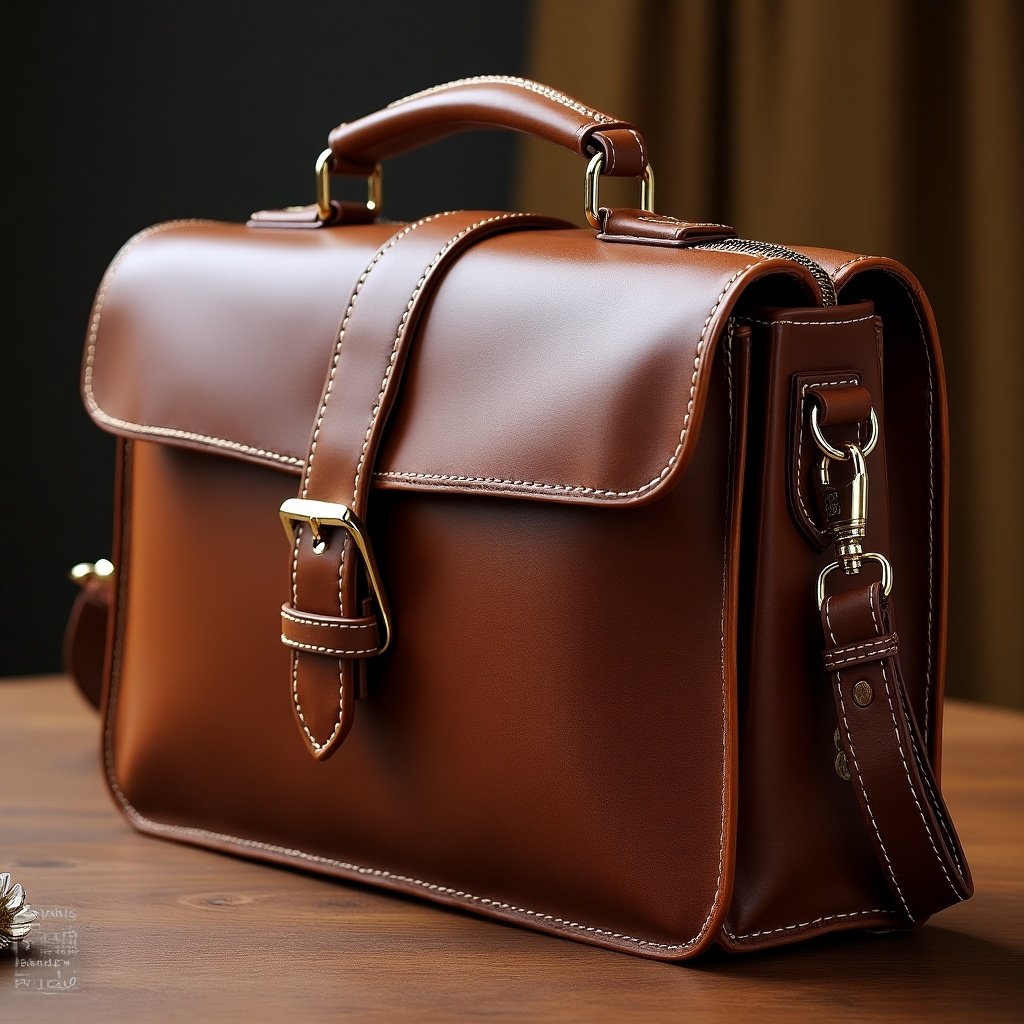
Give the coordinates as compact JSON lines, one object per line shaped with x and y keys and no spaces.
{"x":880,"y":127}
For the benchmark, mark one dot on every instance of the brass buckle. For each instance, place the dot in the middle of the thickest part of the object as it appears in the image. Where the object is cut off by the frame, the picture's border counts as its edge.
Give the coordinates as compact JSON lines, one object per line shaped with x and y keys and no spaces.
{"x":374,"y":187}
{"x":319,"y":514}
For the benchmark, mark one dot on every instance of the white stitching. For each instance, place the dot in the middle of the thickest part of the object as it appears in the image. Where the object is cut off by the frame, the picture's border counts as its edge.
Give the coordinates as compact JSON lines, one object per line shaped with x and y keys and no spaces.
{"x":859,"y":647}
{"x":220,"y":838}
{"x":198,"y":833}
{"x":401,"y":330}
{"x":489,"y":483}
{"x":498,"y":482}
{"x":328,"y":391}
{"x":935,"y":802}
{"x":325,"y":650}
{"x":860,"y":779}
{"x":307,"y":471}
{"x":806,"y":924}
{"x":643,"y":148}
{"x":906,"y":769}
{"x":931,"y":471}
{"x":154,"y":826}
{"x":311,"y":620}
{"x":931,"y":501}
{"x":522,"y":83}
{"x":90,"y":359}
{"x":931,"y":496}
{"x":670,"y":221}
{"x":801,"y":323}
{"x":862,"y":658}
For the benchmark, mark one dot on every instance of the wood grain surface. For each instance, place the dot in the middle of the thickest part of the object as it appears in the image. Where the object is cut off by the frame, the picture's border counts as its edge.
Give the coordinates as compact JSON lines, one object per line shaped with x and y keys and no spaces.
{"x":137,"y":929}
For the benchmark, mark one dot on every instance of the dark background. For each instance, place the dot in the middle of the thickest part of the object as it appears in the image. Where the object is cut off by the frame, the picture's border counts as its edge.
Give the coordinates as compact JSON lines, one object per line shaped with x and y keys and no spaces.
{"x":120,"y":115}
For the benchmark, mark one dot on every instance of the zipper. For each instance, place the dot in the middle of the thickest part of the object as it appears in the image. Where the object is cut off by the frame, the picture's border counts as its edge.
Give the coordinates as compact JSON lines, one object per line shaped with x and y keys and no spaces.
{"x":769,"y":250}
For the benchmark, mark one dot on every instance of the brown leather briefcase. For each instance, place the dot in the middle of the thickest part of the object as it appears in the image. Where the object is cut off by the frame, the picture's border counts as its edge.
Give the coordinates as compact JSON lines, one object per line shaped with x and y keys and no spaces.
{"x":527,"y":568}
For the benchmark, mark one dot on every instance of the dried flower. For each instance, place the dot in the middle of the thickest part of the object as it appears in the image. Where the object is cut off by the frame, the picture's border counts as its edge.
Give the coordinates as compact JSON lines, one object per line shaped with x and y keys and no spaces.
{"x":16,"y":916}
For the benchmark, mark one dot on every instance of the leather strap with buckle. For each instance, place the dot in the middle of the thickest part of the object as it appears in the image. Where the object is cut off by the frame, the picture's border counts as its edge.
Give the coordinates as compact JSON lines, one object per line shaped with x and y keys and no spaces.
{"x":334,"y":624}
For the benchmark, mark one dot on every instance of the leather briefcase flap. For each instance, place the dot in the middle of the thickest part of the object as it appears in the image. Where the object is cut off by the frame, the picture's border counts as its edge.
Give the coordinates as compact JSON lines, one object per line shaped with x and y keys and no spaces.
{"x":217,"y":337}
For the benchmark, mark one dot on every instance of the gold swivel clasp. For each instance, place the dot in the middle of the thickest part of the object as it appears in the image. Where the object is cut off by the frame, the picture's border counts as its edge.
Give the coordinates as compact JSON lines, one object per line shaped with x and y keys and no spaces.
{"x":846,"y":509}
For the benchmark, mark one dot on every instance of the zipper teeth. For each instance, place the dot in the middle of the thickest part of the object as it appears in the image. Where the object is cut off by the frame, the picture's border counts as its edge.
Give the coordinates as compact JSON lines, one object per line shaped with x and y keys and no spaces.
{"x":770,"y":250}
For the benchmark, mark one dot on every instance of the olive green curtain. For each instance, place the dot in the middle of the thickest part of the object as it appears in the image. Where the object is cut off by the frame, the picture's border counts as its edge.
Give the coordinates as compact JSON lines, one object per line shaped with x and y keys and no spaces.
{"x":876,"y":126}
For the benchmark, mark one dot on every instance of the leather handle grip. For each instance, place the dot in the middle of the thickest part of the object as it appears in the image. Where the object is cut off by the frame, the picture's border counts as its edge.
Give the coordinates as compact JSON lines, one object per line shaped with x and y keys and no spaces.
{"x":490,"y":101}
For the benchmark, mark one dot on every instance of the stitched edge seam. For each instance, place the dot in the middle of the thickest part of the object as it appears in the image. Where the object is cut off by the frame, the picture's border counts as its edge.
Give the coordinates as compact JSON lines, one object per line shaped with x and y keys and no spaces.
{"x":430,"y":887}
{"x":483,"y":483}
{"x":307,"y":472}
{"x":806,"y":924}
{"x":400,"y":332}
{"x":312,"y":620}
{"x":903,"y":759}
{"x":929,"y":645}
{"x":523,"y":83}
{"x":936,"y":804}
{"x":877,"y":655}
{"x":860,"y":779}
{"x":931,"y":553}
{"x":299,"y":645}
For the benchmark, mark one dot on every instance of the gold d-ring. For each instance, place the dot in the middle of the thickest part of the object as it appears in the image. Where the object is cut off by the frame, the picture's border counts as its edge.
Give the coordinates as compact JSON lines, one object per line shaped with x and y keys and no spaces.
{"x":591,"y":199}
{"x":870,"y":556}
{"x":830,"y":450}
{"x":374,"y":187}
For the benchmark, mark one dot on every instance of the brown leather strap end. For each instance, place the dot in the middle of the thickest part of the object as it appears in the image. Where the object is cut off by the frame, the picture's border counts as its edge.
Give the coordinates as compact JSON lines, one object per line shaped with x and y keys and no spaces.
{"x":329,"y":636}
{"x":917,"y":847}
{"x":641,"y":227}
{"x":846,"y":404}
{"x":85,"y":637}
{"x":306,"y":218}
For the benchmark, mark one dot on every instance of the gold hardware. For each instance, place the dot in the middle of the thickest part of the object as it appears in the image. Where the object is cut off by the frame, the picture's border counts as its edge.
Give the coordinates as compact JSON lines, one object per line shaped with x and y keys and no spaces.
{"x":833,"y":452}
{"x":319,"y":514}
{"x":591,"y":191}
{"x":863,"y":694}
{"x":870,"y":556}
{"x":102,"y":569}
{"x":847,"y":521}
{"x":374,"y":187}
{"x":841,"y":764}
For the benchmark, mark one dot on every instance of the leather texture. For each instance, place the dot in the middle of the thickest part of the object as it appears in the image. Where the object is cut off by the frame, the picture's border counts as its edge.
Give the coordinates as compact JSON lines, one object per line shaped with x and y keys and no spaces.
{"x":914,"y":839}
{"x":358,"y":395}
{"x":620,"y":225}
{"x":586,"y":472}
{"x":483,"y":102}
{"x":85,"y":638}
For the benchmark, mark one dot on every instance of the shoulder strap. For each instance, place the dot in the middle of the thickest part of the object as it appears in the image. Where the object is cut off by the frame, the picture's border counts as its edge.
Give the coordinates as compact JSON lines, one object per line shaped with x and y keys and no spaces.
{"x":887,"y":758}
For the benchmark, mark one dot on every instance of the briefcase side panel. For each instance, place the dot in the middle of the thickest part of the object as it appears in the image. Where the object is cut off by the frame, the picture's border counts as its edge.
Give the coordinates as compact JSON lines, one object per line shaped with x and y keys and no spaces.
{"x":549,"y":742}
{"x":804,"y":862}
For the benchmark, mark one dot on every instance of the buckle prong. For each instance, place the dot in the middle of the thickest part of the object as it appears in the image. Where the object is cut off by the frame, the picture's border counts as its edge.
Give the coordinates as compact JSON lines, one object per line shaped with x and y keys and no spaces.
{"x":318,"y":515}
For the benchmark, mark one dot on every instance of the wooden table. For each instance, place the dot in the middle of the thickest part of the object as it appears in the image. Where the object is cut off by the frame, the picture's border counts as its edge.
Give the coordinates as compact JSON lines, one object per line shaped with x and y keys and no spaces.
{"x":135,"y":929}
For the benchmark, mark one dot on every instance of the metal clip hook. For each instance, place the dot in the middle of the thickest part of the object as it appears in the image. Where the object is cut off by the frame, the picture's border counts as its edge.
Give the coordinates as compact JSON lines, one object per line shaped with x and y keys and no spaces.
{"x":846,"y":509}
